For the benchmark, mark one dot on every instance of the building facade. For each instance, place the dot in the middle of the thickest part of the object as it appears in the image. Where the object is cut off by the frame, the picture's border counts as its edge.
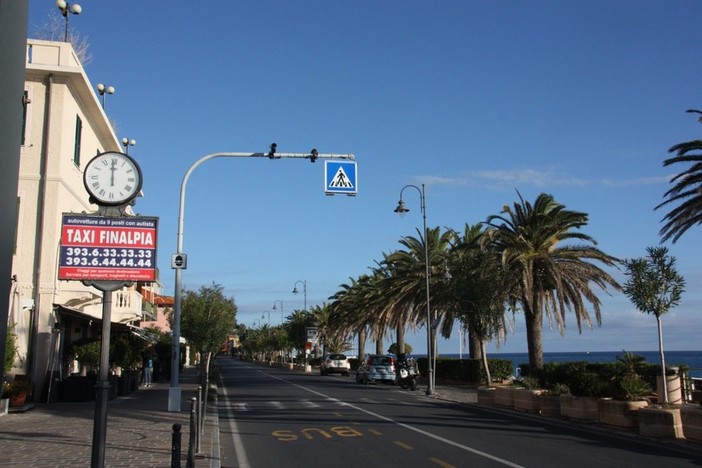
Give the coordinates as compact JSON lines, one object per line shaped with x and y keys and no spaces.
{"x":64,"y":127}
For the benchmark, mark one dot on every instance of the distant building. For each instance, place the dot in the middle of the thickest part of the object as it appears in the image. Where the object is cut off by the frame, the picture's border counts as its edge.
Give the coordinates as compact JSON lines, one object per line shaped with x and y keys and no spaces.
{"x":64,"y":126}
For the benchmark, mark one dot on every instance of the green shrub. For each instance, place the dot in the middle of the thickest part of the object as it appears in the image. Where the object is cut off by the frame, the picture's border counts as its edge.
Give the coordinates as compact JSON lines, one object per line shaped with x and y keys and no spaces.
{"x":86,"y":351}
{"x":10,"y":350}
{"x":558,"y":389}
{"x":468,"y":370}
{"x":633,"y":389}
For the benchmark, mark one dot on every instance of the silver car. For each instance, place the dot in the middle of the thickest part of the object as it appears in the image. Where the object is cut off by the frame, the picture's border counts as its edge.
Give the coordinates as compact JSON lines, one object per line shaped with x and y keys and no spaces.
{"x":376,"y":368}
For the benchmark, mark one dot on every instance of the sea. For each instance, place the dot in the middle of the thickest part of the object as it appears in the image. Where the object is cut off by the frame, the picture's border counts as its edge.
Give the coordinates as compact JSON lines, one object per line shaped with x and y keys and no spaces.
{"x":691,"y":359}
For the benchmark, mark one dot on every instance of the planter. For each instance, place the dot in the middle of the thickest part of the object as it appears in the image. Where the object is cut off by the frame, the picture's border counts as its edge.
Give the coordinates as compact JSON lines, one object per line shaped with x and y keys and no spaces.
{"x":77,"y":388}
{"x":619,"y":413}
{"x":528,"y":401}
{"x":18,"y":400}
{"x":486,"y":396}
{"x":579,"y":408}
{"x":128,"y":382}
{"x":550,"y":405}
{"x":674,"y":384}
{"x":691,"y":416}
{"x":660,"y":423}
{"x":504,"y":397}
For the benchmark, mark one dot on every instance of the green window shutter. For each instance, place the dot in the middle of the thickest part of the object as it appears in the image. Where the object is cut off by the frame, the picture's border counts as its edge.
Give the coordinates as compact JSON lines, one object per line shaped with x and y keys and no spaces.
{"x":25,"y":102}
{"x":76,"y":145}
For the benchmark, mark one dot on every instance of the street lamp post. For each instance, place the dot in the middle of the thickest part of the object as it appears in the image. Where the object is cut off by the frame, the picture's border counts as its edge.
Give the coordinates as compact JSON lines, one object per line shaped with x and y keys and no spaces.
{"x":281,"y":309}
{"x":66,"y":10}
{"x":402,"y":209}
{"x":126,"y":142}
{"x":269,"y":317}
{"x":102,"y":90}
{"x":179,"y":261}
{"x":304,"y":290}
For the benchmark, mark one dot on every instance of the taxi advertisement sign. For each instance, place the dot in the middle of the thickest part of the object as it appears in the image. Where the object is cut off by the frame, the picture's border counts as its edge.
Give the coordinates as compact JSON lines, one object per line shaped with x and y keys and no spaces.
{"x":108,"y":249}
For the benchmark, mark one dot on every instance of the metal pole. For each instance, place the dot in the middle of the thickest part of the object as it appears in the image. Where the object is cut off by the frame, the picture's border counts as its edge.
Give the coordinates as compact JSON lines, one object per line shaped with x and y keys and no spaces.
{"x":102,"y":387}
{"x":175,"y":446}
{"x":430,"y":353}
{"x":174,"y":390}
{"x":190,"y":463}
{"x":400,"y":209}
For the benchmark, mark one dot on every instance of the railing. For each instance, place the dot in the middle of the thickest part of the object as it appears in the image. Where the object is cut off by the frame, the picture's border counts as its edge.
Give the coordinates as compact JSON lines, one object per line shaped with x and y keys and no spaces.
{"x":51,"y":53}
{"x":126,"y":305}
{"x":691,"y":387}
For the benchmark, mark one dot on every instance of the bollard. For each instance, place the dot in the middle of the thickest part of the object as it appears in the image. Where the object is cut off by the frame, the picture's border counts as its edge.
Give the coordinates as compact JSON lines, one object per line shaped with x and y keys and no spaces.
{"x":191,"y":440}
{"x":175,"y":446}
{"x":198,"y":419}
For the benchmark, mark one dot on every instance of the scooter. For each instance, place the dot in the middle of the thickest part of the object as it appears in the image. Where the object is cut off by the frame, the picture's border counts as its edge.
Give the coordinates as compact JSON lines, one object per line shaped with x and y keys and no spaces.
{"x":407,"y":373}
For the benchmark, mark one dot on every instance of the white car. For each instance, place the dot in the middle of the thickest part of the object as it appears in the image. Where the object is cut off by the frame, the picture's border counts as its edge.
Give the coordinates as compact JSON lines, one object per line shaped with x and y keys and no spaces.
{"x":335,"y":364}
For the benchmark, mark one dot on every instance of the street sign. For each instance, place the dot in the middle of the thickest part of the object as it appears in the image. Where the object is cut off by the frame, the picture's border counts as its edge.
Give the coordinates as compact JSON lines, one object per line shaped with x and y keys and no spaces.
{"x":100,"y":248}
{"x":179,"y":261}
{"x":340,"y":177}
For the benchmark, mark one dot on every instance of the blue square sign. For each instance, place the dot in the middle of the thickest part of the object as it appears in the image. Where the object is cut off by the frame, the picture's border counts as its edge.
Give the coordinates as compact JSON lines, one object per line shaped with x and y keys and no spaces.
{"x":340,"y":177}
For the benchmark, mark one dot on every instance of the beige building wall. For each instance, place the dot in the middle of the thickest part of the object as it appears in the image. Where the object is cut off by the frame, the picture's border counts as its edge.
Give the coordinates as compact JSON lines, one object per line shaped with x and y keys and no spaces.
{"x":50,"y":184}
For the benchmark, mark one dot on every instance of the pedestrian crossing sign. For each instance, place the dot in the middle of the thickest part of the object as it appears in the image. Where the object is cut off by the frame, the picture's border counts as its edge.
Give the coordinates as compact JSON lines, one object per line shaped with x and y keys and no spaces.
{"x":340,"y":177}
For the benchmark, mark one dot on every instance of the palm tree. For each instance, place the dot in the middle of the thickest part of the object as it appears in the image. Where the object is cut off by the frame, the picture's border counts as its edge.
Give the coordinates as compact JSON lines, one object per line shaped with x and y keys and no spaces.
{"x":404,"y":286}
{"x":320,"y":315}
{"x":544,"y":275}
{"x":355,"y":309}
{"x":295,"y":326}
{"x":479,"y":293}
{"x":687,"y":190}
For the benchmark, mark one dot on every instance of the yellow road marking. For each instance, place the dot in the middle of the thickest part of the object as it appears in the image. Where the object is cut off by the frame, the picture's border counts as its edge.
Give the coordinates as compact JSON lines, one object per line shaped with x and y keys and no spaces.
{"x":375,"y":432}
{"x":441,"y":463}
{"x":403,"y":445}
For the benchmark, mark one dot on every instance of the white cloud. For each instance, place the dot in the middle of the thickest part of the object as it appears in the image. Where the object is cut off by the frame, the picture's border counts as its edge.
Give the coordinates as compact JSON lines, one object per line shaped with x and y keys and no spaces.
{"x":508,"y":179}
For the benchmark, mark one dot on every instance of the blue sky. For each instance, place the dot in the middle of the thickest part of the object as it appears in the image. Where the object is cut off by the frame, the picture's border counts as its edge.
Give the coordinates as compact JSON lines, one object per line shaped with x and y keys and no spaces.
{"x":475,"y":99}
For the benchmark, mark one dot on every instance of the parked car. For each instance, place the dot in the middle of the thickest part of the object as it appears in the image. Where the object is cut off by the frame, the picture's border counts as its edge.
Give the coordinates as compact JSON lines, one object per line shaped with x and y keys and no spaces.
{"x":334,"y":364}
{"x":376,"y":368}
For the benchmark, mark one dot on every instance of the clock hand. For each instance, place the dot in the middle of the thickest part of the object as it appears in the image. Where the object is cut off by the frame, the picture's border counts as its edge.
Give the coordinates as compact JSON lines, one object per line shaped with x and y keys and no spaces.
{"x":113,"y":168}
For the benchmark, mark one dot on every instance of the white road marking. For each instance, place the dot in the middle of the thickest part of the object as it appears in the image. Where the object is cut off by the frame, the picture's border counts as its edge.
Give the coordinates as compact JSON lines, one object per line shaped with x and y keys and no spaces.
{"x":242,"y":459}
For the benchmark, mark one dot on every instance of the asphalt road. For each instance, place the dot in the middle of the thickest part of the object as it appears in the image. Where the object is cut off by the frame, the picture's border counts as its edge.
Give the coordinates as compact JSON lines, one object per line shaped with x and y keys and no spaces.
{"x":273,"y":418}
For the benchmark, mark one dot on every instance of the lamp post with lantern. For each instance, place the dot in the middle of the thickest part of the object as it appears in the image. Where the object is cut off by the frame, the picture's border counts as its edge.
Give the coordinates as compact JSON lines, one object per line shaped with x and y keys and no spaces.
{"x":401,"y":209}
{"x":66,"y":10}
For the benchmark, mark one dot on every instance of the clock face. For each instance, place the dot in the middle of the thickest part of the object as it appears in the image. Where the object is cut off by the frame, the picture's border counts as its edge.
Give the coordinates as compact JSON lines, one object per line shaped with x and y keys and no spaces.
{"x":112,"y":178}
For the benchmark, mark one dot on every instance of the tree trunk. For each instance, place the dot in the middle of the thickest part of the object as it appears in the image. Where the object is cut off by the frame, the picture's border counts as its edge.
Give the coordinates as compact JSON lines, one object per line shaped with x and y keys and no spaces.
{"x":361,"y":342}
{"x":379,"y":346}
{"x":475,"y":346}
{"x":400,"y":339}
{"x":486,"y":366}
{"x":534,"y":327}
{"x":662,"y":354}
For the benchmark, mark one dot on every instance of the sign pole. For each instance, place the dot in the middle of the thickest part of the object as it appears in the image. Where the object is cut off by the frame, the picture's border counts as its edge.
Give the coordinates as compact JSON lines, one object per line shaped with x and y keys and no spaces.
{"x":174,"y":392}
{"x":102,"y":387}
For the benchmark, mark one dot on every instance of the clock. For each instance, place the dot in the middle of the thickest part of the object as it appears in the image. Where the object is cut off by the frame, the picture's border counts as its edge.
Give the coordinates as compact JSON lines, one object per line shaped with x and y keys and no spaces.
{"x":112,"y":179}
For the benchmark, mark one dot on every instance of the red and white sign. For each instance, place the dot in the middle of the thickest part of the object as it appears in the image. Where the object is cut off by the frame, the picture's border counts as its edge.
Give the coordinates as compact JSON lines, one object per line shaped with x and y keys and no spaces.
{"x":108,"y":249}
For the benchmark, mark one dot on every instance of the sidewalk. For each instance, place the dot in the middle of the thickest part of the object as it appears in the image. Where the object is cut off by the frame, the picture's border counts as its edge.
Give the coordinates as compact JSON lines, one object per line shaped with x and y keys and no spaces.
{"x":139,"y":431}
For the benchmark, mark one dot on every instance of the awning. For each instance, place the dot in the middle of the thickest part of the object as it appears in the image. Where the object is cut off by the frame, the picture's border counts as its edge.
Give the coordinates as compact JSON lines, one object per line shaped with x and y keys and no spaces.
{"x":82,"y":316}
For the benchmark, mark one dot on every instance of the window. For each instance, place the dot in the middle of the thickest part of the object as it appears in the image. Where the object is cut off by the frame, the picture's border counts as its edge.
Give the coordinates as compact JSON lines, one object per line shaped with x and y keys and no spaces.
{"x":76,"y":145}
